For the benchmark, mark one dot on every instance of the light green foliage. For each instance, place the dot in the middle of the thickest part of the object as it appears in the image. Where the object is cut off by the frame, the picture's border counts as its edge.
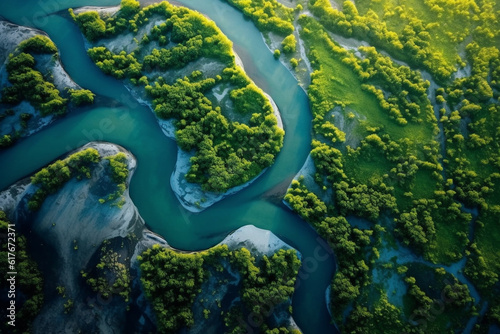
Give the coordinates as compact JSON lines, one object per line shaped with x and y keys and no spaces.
{"x":92,"y":26}
{"x":268,"y":15}
{"x":226,"y":155}
{"x":54,"y":176}
{"x":128,"y":8}
{"x":38,"y":44}
{"x":81,"y":96}
{"x":248,"y":99}
{"x":172,"y":281}
{"x":29,"y":84}
{"x":414,"y":31}
{"x":29,"y":281}
{"x":118,"y":165}
{"x":376,"y":155}
{"x":119,"y":65}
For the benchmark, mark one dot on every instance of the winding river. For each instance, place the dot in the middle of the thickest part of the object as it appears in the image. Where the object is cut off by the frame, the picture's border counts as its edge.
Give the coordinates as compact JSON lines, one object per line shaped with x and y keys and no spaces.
{"x":134,"y":126}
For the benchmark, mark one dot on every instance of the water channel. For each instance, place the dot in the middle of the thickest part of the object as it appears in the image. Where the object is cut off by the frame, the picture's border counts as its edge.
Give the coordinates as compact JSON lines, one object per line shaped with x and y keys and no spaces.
{"x":134,"y":126}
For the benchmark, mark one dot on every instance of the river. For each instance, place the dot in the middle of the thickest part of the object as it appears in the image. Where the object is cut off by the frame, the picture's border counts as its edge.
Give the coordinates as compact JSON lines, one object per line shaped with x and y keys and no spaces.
{"x":134,"y":126}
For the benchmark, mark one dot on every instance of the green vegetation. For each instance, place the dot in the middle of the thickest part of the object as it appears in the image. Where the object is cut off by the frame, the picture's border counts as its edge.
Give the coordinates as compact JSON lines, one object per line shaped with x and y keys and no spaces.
{"x":38,"y":44}
{"x":29,"y":281}
{"x":289,"y":44}
{"x":377,"y":153}
{"x":92,"y":26}
{"x":172,"y":281}
{"x":53,"y":177}
{"x":81,"y":96}
{"x":277,"y":53}
{"x":426,"y":34}
{"x":119,"y":173}
{"x":268,"y":15}
{"x":264,"y":287}
{"x":111,"y":276}
{"x":30,"y":83}
{"x":226,"y":153}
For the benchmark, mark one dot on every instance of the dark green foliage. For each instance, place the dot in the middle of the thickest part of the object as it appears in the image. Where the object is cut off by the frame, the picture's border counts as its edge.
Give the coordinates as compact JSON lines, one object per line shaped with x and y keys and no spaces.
{"x":289,"y":44}
{"x":54,"y":176}
{"x":381,"y":318}
{"x":29,"y":281}
{"x":110,"y":276}
{"x":227,"y":153}
{"x":266,"y":284}
{"x":29,"y":84}
{"x":347,"y":242}
{"x":24,"y":118}
{"x":6,"y":141}
{"x":119,"y":173}
{"x":172,"y":280}
{"x":417,"y":226}
{"x":38,"y":44}
{"x":479,"y":271}
{"x":91,"y":25}
{"x":364,"y":200}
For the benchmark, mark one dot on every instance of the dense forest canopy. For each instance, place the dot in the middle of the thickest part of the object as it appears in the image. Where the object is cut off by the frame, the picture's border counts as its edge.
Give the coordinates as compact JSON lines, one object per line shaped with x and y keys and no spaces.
{"x":405,"y":154}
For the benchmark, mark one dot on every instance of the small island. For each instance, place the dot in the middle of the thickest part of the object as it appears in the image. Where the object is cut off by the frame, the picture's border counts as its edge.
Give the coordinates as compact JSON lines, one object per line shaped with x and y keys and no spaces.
{"x":180,"y":64}
{"x":104,"y":261}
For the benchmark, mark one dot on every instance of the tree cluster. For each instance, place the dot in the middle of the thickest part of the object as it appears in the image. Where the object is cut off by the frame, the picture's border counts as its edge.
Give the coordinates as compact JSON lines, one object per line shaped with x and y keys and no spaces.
{"x":268,"y":15}
{"x":53,"y":177}
{"x":29,"y":281}
{"x":226,"y":153}
{"x":110,"y":276}
{"x":30,"y":85}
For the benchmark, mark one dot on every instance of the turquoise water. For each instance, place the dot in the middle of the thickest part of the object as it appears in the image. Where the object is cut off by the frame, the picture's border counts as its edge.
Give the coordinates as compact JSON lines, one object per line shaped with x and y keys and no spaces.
{"x":134,"y":127}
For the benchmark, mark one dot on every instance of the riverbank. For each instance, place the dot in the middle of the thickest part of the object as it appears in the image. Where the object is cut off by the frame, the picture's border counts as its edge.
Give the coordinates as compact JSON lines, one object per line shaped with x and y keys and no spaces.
{"x":47,"y":65}
{"x":191,"y":196}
